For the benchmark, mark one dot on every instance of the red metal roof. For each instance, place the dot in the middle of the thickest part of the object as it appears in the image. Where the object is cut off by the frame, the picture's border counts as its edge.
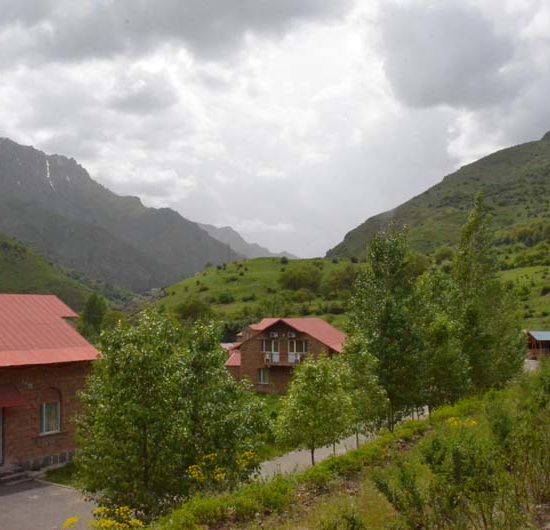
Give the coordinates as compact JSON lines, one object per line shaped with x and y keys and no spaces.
{"x":234,"y":359}
{"x":10,"y":397}
{"x":314,"y":327}
{"x":33,"y":331}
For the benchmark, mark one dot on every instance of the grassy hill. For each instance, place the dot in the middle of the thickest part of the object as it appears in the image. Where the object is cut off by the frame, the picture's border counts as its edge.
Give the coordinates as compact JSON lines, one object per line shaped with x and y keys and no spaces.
{"x":516,"y":186}
{"x":24,"y":271}
{"x":249,"y":289}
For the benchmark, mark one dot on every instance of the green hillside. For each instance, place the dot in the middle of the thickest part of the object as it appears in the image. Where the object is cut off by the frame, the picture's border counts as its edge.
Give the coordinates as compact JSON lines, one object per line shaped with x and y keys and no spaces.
{"x":250,"y":289}
{"x":24,"y":271}
{"x":516,"y":187}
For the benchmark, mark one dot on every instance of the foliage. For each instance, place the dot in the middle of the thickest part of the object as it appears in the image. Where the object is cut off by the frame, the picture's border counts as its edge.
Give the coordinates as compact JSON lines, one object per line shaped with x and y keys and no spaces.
{"x":304,"y":276}
{"x":92,"y":316}
{"x":317,"y":410}
{"x":112,"y":319}
{"x":192,"y":309}
{"x":157,"y":402}
{"x":121,"y":518}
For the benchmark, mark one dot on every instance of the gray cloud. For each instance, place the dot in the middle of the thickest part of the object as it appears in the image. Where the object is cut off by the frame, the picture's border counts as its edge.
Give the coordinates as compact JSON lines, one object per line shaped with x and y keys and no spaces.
{"x":70,"y":31}
{"x":445,"y":53}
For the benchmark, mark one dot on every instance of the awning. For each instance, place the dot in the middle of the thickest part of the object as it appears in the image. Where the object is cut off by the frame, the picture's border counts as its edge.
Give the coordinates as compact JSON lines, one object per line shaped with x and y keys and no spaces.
{"x":10,"y":397}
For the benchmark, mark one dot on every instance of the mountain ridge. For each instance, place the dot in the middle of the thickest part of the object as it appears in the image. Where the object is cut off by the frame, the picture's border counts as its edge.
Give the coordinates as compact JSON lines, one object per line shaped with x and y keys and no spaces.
{"x":515,"y":182}
{"x":113,"y":238}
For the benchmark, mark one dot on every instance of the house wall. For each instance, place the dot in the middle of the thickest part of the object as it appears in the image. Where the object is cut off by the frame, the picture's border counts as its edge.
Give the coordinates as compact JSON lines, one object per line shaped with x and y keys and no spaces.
{"x":252,"y":359}
{"x":537,"y":349}
{"x":23,"y":443}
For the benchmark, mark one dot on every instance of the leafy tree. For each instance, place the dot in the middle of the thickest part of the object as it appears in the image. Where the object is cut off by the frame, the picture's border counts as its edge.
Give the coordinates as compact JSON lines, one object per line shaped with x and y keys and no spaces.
{"x":383,"y":313}
{"x":339,"y":281}
{"x":368,"y":398}
{"x":490,"y":329}
{"x":301,"y":276}
{"x":193,"y":308}
{"x":92,"y":315}
{"x":159,"y":413}
{"x":444,"y":367}
{"x":317,"y":409}
{"x":113,"y":318}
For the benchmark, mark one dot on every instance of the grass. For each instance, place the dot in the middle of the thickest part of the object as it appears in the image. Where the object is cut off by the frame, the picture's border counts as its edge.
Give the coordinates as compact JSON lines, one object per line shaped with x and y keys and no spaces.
{"x":252,"y":286}
{"x":66,"y":475}
{"x":24,"y":271}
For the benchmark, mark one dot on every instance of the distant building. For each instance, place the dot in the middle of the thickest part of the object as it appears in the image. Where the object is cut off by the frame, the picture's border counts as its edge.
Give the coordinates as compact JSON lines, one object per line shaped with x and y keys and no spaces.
{"x":43,"y":364}
{"x":538,"y":344}
{"x":269,"y":350}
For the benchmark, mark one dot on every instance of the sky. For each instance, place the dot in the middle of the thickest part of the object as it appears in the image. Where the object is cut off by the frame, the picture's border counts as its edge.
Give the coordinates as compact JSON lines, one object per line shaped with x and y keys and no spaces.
{"x":292,"y":121}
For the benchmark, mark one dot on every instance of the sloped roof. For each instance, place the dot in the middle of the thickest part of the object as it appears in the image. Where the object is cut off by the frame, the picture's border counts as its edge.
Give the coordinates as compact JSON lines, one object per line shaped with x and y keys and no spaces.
{"x":540,"y":335}
{"x":234,"y":359}
{"x":33,"y":332}
{"x":314,"y":327}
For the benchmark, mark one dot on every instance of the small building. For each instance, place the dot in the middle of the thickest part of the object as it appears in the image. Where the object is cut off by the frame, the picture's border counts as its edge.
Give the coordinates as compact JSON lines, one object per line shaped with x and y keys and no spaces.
{"x":44,"y":362}
{"x":271,"y":349}
{"x":538,"y":344}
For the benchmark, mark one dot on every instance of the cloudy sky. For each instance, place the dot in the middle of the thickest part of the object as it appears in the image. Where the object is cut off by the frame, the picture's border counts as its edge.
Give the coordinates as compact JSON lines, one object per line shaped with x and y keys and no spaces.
{"x":290,"y":120}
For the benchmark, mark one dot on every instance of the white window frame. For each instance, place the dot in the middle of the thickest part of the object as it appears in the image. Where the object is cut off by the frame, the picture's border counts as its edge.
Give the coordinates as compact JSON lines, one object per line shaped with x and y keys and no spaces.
{"x":263,"y":376}
{"x":274,"y":343}
{"x":292,"y":346}
{"x":43,"y":408}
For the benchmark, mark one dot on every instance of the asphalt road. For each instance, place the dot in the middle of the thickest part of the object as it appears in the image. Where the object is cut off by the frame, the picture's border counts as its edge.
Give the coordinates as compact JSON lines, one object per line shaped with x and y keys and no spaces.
{"x":38,"y":505}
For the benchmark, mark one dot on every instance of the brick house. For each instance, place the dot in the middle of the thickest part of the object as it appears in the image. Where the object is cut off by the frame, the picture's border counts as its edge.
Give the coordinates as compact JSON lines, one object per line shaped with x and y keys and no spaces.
{"x":270,"y":349}
{"x":43,"y":364}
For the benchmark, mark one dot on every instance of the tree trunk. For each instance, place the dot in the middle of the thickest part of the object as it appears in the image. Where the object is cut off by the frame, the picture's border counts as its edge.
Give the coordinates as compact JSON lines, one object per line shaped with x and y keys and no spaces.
{"x":312,"y":456}
{"x":356,"y":440}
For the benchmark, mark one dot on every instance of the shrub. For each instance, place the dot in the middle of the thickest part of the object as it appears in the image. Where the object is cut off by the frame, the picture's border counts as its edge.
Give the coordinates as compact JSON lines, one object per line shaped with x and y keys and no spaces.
{"x":302,"y":276}
{"x":226,"y":298}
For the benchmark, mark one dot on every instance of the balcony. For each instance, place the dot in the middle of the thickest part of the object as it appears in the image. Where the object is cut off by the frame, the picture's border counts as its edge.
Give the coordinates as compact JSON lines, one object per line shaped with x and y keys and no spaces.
{"x":283,"y":359}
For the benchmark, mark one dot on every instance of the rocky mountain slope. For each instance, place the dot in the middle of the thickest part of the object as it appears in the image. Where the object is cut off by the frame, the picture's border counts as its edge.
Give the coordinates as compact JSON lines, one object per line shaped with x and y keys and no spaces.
{"x":52,"y":203}
{"x":516,"y":186}
{"x":231,"y":237}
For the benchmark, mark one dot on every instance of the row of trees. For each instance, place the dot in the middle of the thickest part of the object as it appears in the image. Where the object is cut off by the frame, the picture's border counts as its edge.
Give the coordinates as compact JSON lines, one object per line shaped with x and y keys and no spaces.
{"x":416,"y":341}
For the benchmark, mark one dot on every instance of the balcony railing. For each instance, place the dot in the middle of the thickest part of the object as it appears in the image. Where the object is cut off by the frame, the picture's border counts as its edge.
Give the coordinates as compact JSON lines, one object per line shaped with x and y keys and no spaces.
{"x":289,"y":359}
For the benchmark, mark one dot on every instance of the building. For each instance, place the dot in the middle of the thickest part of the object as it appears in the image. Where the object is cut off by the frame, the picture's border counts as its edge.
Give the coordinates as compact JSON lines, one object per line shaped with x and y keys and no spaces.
{"x":269,"y":350}
{"x":538,"y":344}
{"x":43,"y":364}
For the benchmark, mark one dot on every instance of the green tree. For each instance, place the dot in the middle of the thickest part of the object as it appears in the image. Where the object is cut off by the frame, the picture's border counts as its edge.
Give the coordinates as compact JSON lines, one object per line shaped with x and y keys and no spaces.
{"x":92,"y":315}
{"x":193,"y":308}
{"x":317,"y":409}
{"x":368,"y":398}
{"x":490,"y":328}
{"x":162,"y":417}
{"x":339,"y":281}
{"x":301,"y":276}
{"x":112,"y":319}
{"x":383,"y":313}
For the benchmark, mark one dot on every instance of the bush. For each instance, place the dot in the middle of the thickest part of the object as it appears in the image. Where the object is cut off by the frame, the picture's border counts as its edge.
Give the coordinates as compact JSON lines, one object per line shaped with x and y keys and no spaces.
{"x":226,"y":298}
{"x":302,"y":276}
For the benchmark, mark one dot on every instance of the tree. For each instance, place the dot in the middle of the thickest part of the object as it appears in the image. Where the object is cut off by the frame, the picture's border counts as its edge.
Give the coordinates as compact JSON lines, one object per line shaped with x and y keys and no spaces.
{"x":112,"y":319}
{"x":490,"y":329}
{"x":382,"y":313}
{"x":339,"y":281}
{"x":301,"y":276}
{"x":317,"y":409}
{"x":92,"y":315}
{"x":192,"y":309}
{"x":162,"y":417}
{"x":445,"y":368}
{"x":368,"y":398}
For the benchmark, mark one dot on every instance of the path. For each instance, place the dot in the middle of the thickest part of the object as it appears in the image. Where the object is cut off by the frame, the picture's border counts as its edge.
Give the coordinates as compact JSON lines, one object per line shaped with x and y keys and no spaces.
{"x":38,"y":505}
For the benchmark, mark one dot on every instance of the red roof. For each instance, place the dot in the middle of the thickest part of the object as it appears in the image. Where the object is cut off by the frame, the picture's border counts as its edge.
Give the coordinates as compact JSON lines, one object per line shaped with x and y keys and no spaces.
{"x":33,"y":332}
{"x":234,"y":359}
{"x":314,"y":327}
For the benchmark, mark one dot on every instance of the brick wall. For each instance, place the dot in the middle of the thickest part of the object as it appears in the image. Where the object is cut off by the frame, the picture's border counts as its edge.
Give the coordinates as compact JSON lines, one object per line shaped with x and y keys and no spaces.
{"x":23,"y":443}
{"x":252,"y":359}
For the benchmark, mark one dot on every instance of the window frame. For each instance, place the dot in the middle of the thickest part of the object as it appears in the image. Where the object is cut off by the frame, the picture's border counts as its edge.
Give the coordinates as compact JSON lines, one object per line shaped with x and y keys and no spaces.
{"x":42,"y":426}
{"x":273,"y":343}
{"x":263,"y":376}
{"x":294,"y":342}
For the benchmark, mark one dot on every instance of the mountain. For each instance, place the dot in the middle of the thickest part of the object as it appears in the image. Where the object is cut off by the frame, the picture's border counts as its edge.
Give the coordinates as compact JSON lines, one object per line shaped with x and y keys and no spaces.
{"x":51,"y":203}
{"x":515,"y":183}
{"x":24,"y":271}
{"x":231,"y":237}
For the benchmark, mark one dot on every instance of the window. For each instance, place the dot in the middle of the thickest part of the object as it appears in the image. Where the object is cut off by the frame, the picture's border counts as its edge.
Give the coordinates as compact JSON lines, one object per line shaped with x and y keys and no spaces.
{"x":270,"y":346}
{"x":50,"y":417}
{"x":263,"y":376}
{"x":297,"y":346}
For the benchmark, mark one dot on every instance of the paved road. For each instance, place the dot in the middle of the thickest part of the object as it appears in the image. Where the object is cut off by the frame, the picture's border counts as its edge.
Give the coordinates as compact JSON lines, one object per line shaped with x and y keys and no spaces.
{"x":38,"y":505}
{"x":300,"y":460}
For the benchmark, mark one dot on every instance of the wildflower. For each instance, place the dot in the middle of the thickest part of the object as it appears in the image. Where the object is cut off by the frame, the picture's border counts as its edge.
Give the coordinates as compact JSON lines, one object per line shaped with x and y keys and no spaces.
{"x":71,"y":522}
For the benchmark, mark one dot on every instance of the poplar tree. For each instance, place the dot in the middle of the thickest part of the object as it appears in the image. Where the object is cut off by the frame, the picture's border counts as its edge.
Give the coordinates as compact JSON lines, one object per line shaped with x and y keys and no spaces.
{"x":317,"y":409}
